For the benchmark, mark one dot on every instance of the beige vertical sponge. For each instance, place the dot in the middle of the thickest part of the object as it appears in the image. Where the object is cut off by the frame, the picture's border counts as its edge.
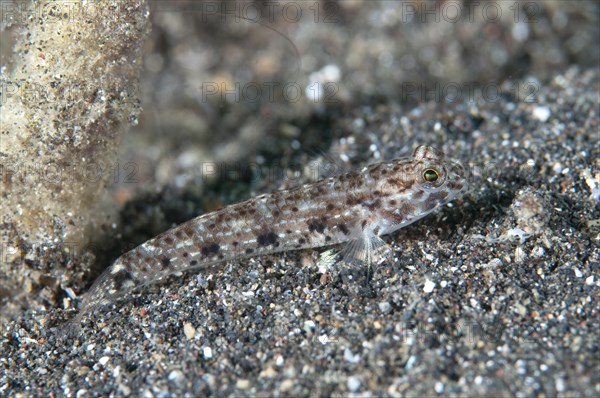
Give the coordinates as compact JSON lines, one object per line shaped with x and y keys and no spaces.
{"x":67,"y":96}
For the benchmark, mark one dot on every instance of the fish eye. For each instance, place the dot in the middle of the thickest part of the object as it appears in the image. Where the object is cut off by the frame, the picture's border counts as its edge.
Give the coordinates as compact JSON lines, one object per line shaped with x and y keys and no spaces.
{"x":431,"y":175}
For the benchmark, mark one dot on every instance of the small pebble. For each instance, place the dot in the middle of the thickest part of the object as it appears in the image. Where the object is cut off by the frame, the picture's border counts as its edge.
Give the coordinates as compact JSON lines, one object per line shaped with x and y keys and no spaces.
{"x":385,"y":307}
{"x":350,"y":357}
{"x":353,"y":384}
{"x":541,"y":113}
{"x":429,"y":286}
{"x":189,"y":330}
{"x":207,"y":352}
{"x":176,"y":376}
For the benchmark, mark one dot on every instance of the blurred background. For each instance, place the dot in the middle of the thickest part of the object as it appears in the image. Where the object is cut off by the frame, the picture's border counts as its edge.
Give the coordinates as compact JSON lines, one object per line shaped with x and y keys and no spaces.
{"x":236,"y":92}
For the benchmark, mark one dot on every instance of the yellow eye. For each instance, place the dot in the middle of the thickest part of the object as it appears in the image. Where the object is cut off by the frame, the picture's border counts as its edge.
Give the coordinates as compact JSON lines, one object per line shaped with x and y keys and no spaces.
{"x":431,"y":175}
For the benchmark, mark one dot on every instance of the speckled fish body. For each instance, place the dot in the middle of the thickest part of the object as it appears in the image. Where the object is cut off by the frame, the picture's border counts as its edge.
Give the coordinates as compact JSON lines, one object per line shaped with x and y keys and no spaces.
{"x":356,"y":207}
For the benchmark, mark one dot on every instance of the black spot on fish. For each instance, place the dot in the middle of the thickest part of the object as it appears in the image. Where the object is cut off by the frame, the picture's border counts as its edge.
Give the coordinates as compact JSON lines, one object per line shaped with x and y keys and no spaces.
{"x":269,"y":238}
{"x":373,"y":205}
{"x":316,"y":226}
{"x":208,"y":250}
{"x":343,"y":228}
{"x":120,"y":278}
{"x":165,"y":261}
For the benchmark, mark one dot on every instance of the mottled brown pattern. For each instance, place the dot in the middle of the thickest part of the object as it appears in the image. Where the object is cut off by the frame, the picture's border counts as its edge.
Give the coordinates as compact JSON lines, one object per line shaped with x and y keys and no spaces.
{"x":357,"y":206}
